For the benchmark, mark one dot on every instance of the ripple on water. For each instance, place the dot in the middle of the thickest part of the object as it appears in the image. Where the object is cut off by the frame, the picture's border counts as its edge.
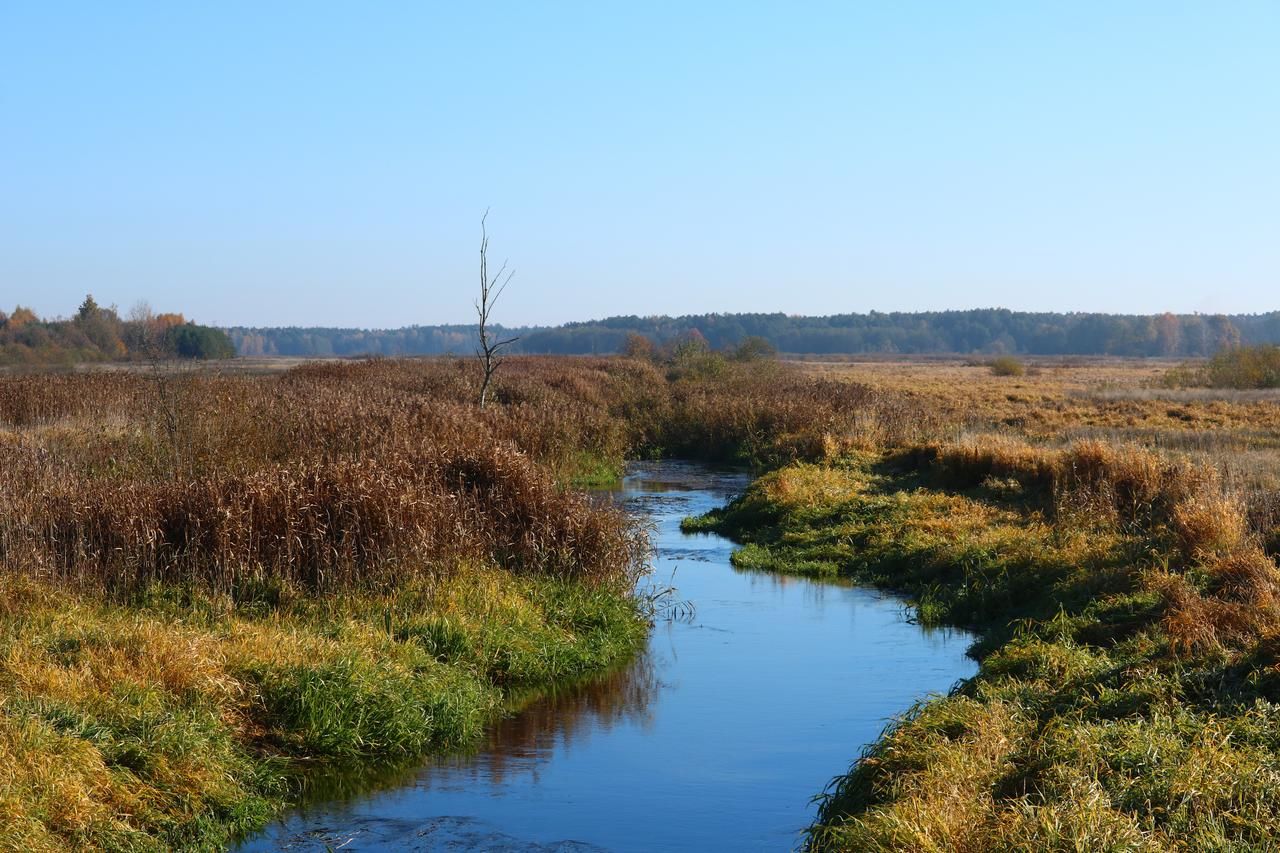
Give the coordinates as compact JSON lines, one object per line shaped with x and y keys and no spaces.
{"x":444,"y":833}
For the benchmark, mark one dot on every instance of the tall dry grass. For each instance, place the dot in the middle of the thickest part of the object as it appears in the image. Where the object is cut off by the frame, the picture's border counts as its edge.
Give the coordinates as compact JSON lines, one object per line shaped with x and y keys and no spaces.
{"x":208,"y":580}
{"x":337,"y":474}
{"x":319,"y":525}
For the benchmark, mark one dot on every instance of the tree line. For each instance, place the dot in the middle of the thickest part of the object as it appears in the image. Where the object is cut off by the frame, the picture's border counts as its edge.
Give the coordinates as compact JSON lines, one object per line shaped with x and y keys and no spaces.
{"x":96,"y":333}
{"x":993,"y":331}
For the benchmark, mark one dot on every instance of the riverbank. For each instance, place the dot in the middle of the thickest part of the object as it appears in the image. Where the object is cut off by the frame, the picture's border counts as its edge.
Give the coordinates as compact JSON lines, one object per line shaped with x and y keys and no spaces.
{"x":133,"y":506}
{"x":213,"y":585}
{"x":181,"y":721}
{"x":1127,"y":693}
{"x":589,"y":767}
{"x":214,"y":589}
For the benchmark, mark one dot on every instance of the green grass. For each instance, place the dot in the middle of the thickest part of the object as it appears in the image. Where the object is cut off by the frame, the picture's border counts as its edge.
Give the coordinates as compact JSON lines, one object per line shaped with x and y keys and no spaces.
{"x":181,"y":721}
{"x":589,"y":469}
{"x":1088,"y":726}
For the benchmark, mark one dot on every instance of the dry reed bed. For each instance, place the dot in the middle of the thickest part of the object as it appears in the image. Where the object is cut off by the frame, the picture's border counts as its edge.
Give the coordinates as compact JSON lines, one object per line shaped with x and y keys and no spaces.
{"x":373,"y":472}
{"x":319,"y":525}
{"x":337,"y":473}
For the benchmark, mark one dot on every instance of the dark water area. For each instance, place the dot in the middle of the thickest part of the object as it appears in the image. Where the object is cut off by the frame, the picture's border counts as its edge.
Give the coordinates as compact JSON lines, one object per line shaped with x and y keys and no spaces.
{"x":716,"y":738}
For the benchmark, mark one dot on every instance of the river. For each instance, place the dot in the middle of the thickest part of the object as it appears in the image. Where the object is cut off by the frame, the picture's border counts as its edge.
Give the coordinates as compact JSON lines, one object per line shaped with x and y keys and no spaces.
{"x":745,"y":703}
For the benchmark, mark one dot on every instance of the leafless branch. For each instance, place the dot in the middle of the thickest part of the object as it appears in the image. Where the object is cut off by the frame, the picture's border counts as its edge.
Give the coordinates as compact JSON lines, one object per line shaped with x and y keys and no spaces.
{"x":491,"y":288}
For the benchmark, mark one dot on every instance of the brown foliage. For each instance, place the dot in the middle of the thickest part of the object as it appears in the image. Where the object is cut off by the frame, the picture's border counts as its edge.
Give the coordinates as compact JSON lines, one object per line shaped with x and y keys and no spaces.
{"x":326,"y":525}
{"x":1209,"y":524}
{"x":1170,"y":500}
{"x":1129,"y":483}
{"x":335,"y":474}
{"x":1240,"y":607}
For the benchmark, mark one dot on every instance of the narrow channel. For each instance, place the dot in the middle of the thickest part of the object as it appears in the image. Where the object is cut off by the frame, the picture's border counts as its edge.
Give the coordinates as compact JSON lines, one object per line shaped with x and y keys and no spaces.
{"x":716,"y":738}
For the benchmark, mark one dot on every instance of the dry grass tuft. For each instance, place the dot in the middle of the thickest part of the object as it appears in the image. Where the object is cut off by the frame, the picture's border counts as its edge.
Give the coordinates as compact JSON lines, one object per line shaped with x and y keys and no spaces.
{"x":1239,"y":608}
{"x":1209,"y":525}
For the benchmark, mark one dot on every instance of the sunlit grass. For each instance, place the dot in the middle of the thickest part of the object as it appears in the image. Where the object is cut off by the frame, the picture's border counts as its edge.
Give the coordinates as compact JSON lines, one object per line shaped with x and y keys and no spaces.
{"x":214,"y":585}
{"x":1128,"y":623}
{"x":185,"y":720}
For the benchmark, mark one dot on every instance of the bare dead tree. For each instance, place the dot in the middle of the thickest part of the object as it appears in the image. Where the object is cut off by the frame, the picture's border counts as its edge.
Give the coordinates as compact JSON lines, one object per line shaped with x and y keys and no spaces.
{"x":490,"y":289}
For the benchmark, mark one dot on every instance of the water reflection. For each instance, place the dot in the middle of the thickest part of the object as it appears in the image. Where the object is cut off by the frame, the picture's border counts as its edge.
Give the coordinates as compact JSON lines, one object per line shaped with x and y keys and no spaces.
{"x":520,"y":743}
{"x":715,"y":738}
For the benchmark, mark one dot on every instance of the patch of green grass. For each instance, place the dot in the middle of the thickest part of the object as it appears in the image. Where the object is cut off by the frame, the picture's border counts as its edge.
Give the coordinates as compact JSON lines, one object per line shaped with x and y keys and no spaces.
{"x":594,"y":470}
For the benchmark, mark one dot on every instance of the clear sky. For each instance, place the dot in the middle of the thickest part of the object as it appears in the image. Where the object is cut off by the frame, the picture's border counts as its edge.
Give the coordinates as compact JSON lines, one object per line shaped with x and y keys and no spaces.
{"x":270,"y":163}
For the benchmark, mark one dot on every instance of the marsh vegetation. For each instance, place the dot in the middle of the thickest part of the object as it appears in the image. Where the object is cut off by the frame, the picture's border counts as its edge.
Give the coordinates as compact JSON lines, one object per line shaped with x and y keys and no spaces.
{"x":216,"y":583}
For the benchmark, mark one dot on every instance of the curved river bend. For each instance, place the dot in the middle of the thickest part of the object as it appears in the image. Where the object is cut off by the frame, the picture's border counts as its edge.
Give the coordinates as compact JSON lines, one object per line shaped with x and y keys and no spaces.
{"x":716,"y":738}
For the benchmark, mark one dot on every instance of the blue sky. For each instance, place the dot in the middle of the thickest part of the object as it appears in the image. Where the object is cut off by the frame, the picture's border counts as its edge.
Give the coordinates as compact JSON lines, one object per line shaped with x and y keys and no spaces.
{"x":327,"y":164}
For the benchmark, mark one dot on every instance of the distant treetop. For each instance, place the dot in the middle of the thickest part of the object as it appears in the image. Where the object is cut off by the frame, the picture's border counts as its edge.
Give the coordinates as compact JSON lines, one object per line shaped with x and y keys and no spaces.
{"x":99,"y":334}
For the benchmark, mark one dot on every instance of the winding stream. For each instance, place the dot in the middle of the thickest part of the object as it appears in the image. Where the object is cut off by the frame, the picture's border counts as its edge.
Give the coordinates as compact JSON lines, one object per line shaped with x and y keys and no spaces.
{"x":716,"y":738}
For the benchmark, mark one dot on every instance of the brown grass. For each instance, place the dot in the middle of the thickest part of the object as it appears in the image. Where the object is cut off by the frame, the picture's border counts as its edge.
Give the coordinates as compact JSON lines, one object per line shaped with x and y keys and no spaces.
{"x":1205,"y":527}
{"x":321,"y":525}
{"x":383,"y":476}
{"x":340,"y":473}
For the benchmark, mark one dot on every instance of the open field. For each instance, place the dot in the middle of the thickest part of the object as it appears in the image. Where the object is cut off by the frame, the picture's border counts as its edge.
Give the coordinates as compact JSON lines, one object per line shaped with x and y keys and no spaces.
{"x":1057,"y":399}
{"x":1237,"y":432}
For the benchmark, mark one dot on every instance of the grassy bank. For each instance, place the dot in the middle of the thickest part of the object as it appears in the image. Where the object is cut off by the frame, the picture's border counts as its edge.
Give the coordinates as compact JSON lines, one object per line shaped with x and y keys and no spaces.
{"x":1127,"y":696}
{"x":179,"y":720}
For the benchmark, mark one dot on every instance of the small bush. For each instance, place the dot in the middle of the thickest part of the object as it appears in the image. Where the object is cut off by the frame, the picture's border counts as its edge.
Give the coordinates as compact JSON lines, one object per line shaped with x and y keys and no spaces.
{"x":639,"y":346}
{"x":754,"y":348}
{"x":1007,"y":365}
{"x":1245,"y":367}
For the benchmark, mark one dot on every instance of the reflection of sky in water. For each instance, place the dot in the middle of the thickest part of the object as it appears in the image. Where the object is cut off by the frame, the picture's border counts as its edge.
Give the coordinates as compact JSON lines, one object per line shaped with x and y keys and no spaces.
{"x":715,"y":738}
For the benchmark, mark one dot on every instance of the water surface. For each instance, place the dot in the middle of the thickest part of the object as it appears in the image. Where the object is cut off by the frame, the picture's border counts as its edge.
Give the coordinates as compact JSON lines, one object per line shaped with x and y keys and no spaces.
{"x":716,"y":738}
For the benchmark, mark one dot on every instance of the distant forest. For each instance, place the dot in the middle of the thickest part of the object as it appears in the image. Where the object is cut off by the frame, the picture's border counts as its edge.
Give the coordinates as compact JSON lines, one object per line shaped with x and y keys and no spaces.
{"x":96,"y":333}
{"x":980,"y":331}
